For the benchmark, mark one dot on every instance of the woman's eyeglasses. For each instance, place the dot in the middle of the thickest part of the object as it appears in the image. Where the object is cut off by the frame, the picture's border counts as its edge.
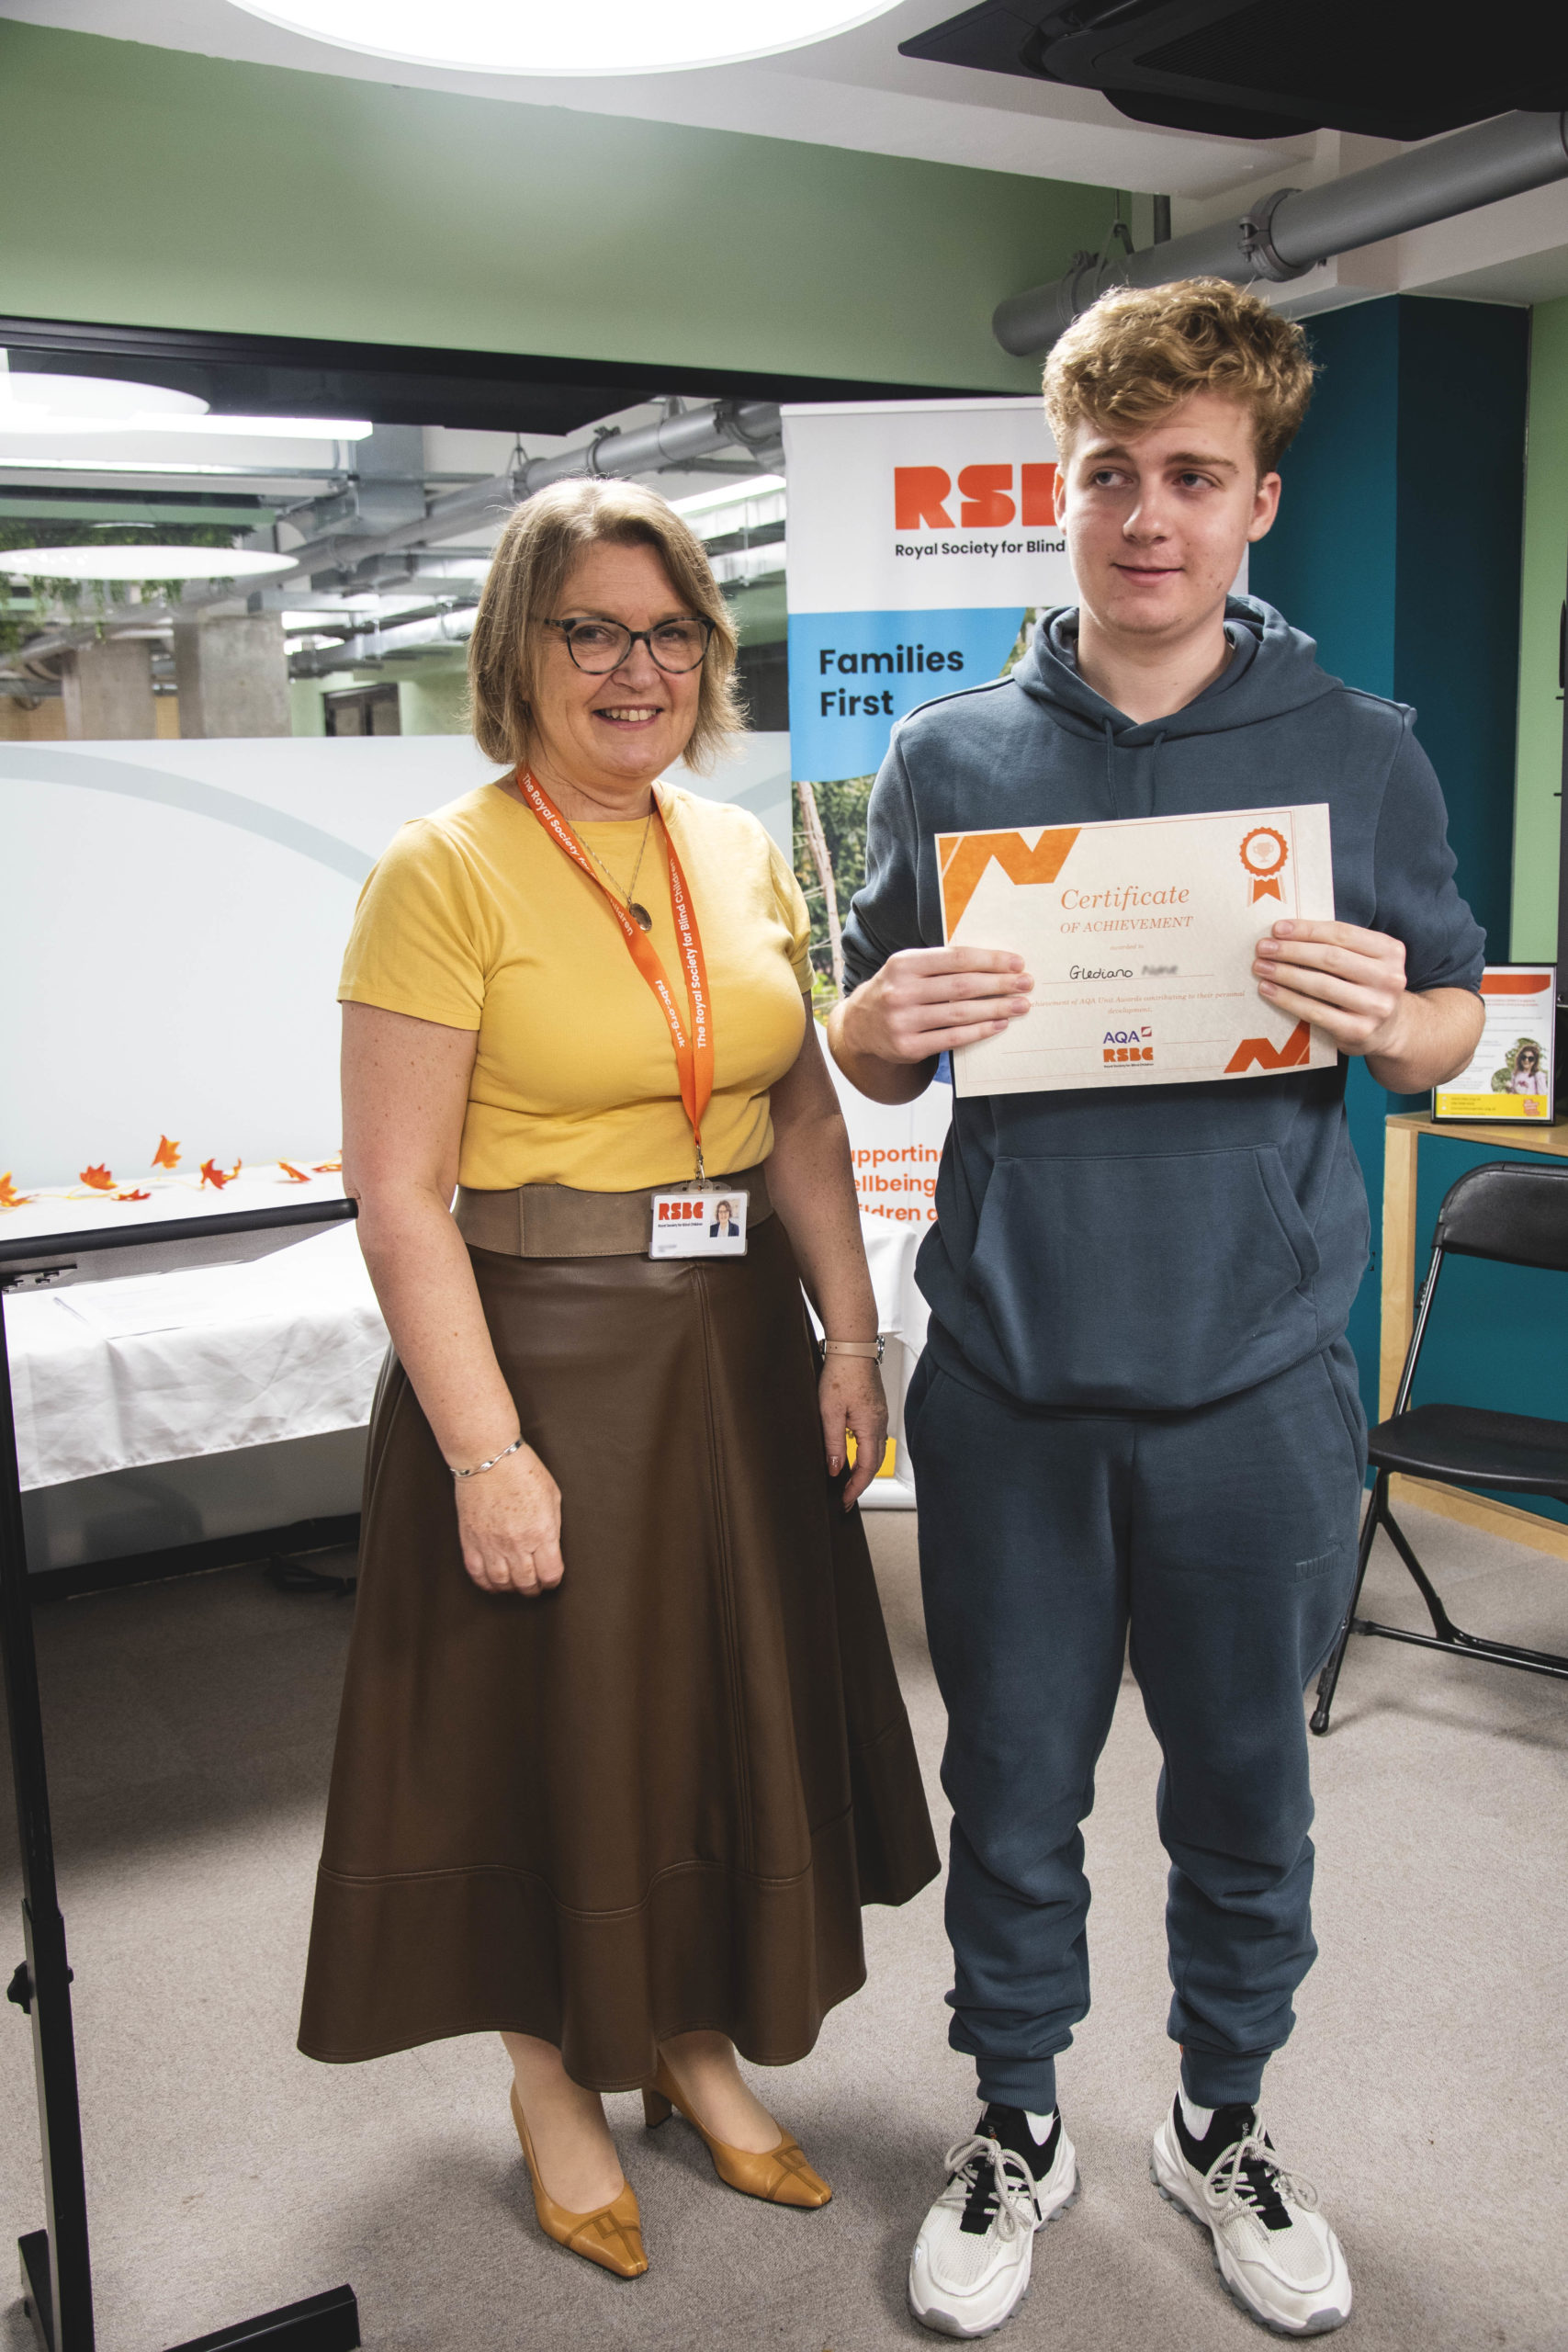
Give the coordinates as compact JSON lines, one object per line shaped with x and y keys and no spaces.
{"x":599,"y":647}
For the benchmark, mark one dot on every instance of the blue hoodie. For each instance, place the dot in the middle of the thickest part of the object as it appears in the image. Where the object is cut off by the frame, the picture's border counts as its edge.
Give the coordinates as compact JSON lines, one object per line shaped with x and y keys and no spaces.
{"x":1157,"y":1249}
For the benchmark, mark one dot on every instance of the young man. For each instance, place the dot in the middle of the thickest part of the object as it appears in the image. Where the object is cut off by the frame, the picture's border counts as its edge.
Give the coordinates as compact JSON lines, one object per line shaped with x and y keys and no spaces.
{"x":1137,"y":1407}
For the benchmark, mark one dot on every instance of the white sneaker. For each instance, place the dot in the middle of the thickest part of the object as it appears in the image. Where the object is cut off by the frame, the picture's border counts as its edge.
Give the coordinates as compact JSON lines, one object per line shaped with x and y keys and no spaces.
{"x":1275,"y":2253}
{"x":970,"y":2268}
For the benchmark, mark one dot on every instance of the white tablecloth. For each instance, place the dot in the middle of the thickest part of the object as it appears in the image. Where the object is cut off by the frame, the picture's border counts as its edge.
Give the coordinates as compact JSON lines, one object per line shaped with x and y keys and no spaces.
{"x":157,"y":1367}
{"x":115,"y":1374}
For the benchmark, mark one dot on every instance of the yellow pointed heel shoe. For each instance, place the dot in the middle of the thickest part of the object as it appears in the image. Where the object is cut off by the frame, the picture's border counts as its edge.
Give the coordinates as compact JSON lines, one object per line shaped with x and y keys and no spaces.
{"x":612,"y":2237}
{"x":782,"y":2177}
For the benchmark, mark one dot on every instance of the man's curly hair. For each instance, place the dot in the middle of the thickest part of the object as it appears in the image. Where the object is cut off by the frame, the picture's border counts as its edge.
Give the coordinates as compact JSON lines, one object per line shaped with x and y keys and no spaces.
{"x":1139,"y":352}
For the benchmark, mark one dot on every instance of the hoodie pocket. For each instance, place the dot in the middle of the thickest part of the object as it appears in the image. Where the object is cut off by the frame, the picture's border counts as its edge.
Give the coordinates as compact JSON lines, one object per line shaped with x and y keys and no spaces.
{"x":1140,"y":1284}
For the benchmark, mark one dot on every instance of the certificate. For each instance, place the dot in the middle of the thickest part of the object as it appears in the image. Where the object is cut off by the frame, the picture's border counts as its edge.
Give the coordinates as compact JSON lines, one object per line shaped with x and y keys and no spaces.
{"x":1140,"y":938}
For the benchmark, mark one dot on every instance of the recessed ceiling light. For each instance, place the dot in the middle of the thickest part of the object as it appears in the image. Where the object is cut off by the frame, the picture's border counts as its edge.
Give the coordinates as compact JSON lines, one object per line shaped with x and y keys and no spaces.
{"x":542,"y":37}
{"x":142,"y":563}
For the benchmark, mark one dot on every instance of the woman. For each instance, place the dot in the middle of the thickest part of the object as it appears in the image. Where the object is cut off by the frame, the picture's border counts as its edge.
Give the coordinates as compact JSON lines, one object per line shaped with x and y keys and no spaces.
{"x":622,"y":1752}
{"x":1527,"y":1077}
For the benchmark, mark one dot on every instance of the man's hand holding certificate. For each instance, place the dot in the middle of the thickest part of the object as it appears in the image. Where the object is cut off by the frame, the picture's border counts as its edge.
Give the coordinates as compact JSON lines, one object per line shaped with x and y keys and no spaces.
{"x":1141,"y":939}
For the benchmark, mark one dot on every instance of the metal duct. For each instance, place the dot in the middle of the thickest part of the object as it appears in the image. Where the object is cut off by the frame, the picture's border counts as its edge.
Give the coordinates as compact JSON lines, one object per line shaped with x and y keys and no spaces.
{"x":673,"y":441}
{"x":1289,"y":231}
{"x":751,"y":426}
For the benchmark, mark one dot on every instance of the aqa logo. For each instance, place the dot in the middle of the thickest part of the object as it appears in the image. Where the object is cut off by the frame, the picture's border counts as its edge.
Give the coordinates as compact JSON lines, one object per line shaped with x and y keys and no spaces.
{"x":986,"y":500}
{"x":1125,"y":1045}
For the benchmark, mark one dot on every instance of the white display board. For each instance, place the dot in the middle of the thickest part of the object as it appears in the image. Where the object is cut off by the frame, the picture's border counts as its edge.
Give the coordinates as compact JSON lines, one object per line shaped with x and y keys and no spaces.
{"x":175,"y":916}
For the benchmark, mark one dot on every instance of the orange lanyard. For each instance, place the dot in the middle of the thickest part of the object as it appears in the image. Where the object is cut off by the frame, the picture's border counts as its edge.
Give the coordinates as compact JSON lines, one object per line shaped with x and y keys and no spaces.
{"x":693,"y":1045}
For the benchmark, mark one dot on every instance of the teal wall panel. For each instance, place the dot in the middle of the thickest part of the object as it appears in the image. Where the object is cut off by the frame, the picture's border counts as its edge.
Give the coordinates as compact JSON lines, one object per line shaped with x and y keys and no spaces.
{"x":1398,"y":548}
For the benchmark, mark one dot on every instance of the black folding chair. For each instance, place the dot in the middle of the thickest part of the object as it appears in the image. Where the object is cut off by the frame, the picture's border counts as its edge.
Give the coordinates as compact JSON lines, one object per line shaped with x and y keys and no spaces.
{"x":1517,"y":1216}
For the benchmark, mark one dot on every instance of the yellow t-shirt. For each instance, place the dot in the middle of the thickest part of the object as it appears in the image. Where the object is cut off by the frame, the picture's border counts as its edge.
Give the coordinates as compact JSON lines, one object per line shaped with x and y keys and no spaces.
{"x":474,"y":918}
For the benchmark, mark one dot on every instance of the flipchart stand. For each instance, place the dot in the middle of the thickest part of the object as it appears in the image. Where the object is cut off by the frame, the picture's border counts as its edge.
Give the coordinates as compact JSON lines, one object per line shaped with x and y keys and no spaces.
{"x":57,"y":2281}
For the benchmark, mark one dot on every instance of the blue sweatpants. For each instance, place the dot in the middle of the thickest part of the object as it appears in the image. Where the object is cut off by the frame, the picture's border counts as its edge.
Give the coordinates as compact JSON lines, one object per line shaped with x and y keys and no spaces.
{"x":1224,"y":1538}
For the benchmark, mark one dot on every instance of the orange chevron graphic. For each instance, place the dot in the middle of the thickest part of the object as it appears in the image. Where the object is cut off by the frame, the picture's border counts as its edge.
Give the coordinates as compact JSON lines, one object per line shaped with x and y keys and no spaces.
{"x":964,"y":857}
{"x":1291,"y":1054}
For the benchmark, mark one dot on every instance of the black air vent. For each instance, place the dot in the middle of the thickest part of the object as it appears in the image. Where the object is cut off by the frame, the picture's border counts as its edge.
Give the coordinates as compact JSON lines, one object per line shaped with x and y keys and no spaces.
{"x":1258,"y":69}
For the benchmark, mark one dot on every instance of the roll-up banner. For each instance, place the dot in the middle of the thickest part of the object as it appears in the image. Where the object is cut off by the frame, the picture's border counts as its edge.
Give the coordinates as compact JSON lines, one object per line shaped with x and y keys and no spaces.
{"x":922,"y":542}
{"x":923,"y":539}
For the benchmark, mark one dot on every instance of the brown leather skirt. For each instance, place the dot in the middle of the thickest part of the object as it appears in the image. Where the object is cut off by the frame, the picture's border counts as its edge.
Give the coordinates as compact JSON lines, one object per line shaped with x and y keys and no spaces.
{"x":655,"y":1799}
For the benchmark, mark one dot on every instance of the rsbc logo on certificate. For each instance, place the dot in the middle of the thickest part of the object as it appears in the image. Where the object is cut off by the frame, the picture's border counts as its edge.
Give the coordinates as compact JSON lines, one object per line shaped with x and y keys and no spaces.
{"x":1139,"y":936}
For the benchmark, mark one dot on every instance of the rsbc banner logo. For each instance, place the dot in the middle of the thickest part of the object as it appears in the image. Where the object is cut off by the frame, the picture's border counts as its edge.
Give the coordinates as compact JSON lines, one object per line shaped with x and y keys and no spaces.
{"x":923,"y":497}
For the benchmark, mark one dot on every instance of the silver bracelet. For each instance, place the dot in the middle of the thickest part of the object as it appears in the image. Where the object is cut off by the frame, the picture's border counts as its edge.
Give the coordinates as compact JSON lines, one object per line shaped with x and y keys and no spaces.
{"x":515,"y":1447}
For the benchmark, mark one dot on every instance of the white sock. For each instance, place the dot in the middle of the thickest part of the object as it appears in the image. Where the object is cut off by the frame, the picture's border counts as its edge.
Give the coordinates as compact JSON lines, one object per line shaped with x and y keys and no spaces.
{"x":1039,"y":2126}
{"x":1197,"y":2119}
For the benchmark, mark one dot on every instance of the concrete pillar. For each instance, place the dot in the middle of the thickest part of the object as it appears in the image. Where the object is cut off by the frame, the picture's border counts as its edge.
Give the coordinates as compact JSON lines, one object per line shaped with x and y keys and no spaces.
{"x":107,"y":688}
{"x":232,"y":675}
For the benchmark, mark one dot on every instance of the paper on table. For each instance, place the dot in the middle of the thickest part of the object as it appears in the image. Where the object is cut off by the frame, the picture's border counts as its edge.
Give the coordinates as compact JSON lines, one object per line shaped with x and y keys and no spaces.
{"x":131,"y":1306}
{"x":1139,"y":935}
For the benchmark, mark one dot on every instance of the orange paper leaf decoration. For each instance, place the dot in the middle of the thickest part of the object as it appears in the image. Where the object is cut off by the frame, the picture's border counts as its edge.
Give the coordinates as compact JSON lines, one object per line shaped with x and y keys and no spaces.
{"x":212,"y":1174}
{"x":9,"y":1196}
{"x":328,"y":1167}
{"x":295,"y":1175}
{"x":167,"y":1154}
{"x":133,"y":1196}
{"x":98,"y":1179}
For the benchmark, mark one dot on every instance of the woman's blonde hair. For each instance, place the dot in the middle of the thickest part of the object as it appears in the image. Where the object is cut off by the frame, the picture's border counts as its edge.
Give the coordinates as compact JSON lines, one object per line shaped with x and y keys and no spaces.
{"x":1137,"y":353}
{"x":542,"y":540}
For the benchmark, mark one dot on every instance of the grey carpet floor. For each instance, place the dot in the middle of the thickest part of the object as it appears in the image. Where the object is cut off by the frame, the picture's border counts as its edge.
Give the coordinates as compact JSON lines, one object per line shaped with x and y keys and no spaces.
{"x":190,"y":1726}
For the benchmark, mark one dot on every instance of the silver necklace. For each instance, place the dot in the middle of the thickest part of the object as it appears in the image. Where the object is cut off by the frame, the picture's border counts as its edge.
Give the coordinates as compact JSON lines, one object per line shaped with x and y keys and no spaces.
{"x":638,"y":914}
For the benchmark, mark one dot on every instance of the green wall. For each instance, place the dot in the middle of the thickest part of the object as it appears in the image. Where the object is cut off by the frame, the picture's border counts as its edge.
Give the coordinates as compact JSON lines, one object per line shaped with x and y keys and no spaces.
{"x":150,"y":187}
{"x":1397,"y":548}
{"x":1540,"y":702}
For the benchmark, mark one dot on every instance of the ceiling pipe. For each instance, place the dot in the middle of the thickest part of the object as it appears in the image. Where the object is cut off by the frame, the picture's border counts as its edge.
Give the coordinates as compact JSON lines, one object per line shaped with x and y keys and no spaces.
{"x":751,"y":426}
{"x":1289,"y":231}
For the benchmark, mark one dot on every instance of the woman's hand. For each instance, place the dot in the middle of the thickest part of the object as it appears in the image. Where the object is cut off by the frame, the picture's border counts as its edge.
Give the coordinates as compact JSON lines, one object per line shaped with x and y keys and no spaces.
{"x":509,"y":1522}
{"x":849,"y":1393}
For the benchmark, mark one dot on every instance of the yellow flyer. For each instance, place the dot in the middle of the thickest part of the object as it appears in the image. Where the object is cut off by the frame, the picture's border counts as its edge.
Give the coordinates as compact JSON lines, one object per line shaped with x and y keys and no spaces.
{"x":1510,"y":1074}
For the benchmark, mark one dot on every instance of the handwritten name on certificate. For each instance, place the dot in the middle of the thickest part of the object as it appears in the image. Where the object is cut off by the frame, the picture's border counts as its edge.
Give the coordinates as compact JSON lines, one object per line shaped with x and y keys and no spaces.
{"x":1140,"y":939}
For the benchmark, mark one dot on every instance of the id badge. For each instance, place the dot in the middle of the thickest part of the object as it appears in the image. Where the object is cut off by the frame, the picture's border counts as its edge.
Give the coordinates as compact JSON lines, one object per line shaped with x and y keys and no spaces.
{"x":707,"y":1224}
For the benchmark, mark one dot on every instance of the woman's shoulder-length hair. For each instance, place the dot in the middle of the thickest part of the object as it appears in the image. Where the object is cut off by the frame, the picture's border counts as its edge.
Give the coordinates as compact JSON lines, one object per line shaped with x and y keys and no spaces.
{"x":534,"y":557}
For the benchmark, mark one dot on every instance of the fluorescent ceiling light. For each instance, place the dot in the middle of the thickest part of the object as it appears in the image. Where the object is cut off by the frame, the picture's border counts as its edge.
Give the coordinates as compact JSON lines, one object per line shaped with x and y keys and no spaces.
{"x":757,"y":486}
{"x":142,"y":563}
{"x":156,"y":469}
{"x":59,"y":423}
{"x":542,"y":37}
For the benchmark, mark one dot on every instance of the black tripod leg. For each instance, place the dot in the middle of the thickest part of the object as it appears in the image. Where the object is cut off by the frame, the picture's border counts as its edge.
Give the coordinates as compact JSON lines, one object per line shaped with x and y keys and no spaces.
{"x":42,"y":1985}
{"x":1328,"y":1680}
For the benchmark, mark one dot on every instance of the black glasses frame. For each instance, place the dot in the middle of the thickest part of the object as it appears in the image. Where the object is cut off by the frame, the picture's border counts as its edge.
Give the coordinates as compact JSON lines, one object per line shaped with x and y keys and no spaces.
{"x":635,"y":637}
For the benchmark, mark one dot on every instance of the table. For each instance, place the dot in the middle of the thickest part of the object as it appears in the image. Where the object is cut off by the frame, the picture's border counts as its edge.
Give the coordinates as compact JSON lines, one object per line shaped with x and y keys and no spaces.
{"x":56,"y":2272}
{"x":1401,"y":1147}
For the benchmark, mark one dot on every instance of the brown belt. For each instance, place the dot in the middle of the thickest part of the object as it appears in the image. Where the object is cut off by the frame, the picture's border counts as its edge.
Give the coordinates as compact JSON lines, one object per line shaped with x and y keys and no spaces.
{"x":558,"y":1221}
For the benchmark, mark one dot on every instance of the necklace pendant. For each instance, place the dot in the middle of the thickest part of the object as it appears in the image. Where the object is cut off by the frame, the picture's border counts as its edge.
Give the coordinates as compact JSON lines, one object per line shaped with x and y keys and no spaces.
{"x":639,"y":915}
